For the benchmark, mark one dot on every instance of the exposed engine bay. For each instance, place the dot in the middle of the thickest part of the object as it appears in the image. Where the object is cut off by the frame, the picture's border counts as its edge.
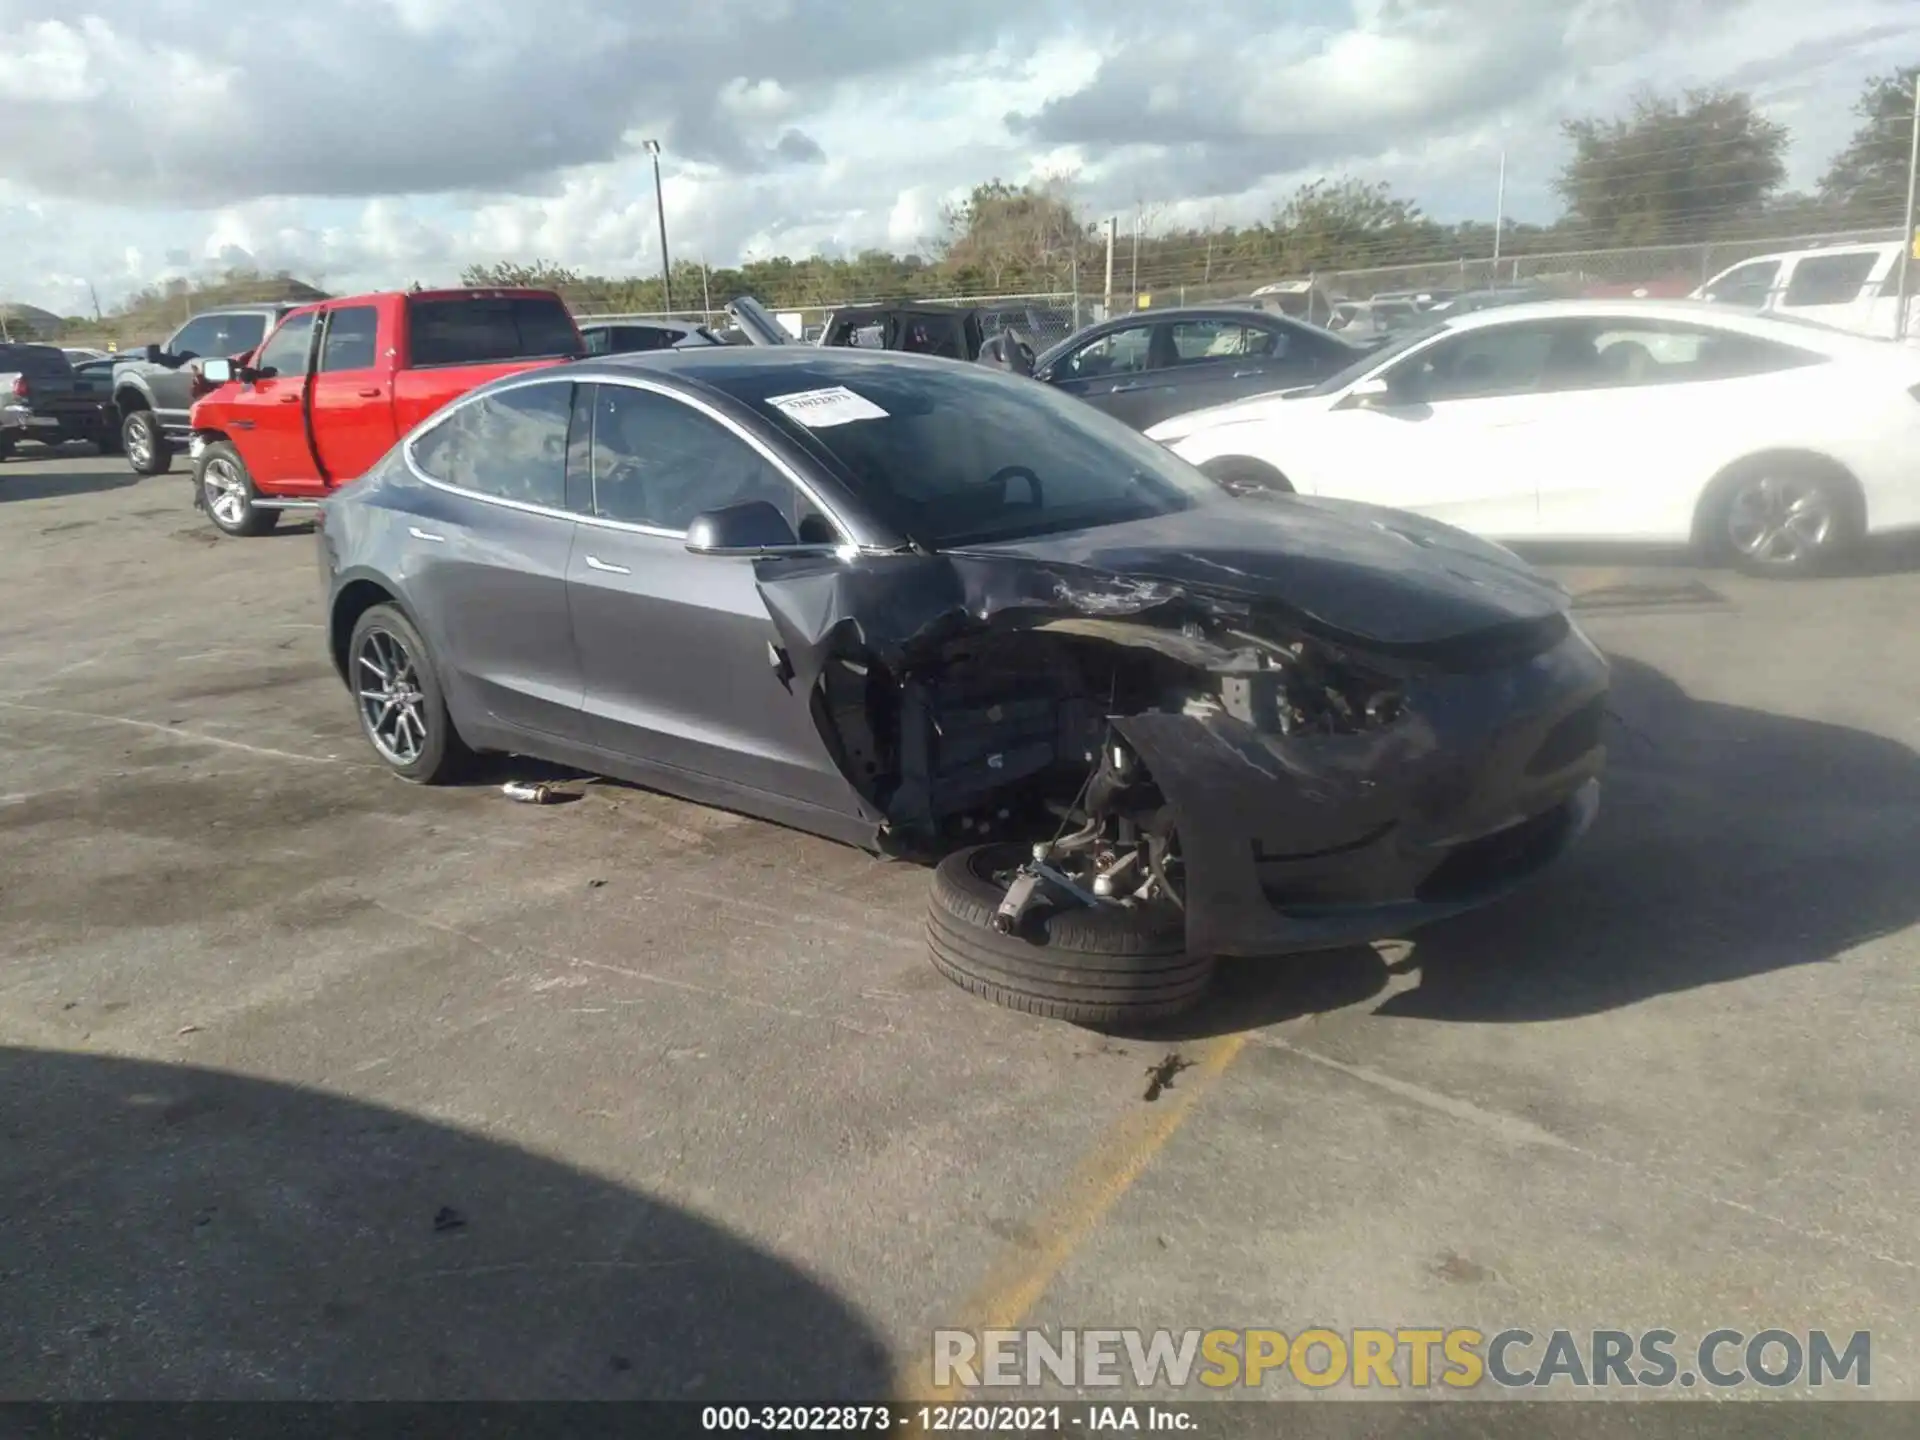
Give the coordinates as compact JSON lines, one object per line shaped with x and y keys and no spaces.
{"x":1009,"y":735}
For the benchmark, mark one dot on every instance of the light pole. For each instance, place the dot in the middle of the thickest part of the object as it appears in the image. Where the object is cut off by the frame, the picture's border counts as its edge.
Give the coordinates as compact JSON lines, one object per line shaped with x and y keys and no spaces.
{"x":660,"y":204}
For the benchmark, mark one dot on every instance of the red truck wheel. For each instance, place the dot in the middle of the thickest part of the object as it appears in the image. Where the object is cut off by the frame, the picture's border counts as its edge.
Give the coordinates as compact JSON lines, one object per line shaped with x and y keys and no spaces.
{"x":226,"y":492}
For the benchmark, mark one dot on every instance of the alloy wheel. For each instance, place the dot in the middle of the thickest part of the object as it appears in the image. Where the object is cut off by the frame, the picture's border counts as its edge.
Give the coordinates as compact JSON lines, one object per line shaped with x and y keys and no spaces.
{"x":392,"y":702}
{"x":226,"y":492}
{"x":1781,"y":520}
{"x":139,"y":443}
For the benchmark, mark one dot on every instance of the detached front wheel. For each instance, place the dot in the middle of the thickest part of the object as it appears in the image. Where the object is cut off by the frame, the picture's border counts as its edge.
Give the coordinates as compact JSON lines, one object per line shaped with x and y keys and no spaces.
{"x":226,"y":492}
{"x":1095,"y":965}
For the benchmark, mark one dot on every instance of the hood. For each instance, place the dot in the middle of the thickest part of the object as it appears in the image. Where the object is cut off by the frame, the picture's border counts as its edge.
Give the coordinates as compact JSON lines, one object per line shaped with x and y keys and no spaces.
{"x":1360,"y":571}
{"x":1253,"y":407}
{"x":757,"y":324}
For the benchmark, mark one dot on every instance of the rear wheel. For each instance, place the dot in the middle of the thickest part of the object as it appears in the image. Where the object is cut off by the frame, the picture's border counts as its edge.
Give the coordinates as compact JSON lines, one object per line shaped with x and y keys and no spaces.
{"x":403,"y":712}
{"x":1240,"y":475}
{"x":1098,"y":965}
{"x":226,"y":492}
{"x":6,"y":446}
{"x":1788,"y":516}
{"x":146,"y":448}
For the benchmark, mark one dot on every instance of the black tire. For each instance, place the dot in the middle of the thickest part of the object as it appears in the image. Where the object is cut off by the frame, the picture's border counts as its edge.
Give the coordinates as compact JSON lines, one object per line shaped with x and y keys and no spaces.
{"x":224,"y":489}
{"x":442,"y":754}
{"x":1238,"y":475}
{"x":1786,"y":516}
{"x":6,"y":447}
{"x":1099,"y":966}
{"x":146,"y":449}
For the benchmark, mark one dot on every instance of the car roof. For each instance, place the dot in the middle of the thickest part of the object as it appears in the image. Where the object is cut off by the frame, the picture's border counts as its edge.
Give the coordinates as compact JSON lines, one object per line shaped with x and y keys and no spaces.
{"x":1842,"y":247}
{"x":1805,"y":334}
{"x":717,"y":364}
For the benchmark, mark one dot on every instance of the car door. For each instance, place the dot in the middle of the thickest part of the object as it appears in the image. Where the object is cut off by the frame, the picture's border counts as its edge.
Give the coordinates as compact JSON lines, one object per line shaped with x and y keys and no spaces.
{"x":1466,"y":424}
{"x":1667,"y":405}
{"x":352,"y":391}
{"x":488,"y":551}
{"x":1210,"y":360}
{"x":1111,"y":371}
{"x":268,"y":418}
{"x":681,"y":660}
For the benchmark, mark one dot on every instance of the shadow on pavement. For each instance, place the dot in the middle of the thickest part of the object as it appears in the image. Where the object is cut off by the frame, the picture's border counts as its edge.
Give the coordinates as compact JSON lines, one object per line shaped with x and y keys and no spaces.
{"x":178,"y":1233}
{"x":1731,"y":842}
{"x":52,"y":484}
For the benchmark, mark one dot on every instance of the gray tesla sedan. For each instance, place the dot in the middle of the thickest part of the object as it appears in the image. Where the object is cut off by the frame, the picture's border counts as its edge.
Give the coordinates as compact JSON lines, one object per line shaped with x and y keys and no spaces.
{"x":934,"y":609}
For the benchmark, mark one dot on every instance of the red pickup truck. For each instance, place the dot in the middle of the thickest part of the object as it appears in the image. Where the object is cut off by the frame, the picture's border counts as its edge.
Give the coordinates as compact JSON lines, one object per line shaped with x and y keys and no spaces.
{"x":337,"y":383}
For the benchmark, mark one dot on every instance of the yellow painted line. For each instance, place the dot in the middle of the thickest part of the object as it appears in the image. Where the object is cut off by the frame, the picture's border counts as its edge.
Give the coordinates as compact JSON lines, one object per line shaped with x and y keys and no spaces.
{"x":1022,"y":1273}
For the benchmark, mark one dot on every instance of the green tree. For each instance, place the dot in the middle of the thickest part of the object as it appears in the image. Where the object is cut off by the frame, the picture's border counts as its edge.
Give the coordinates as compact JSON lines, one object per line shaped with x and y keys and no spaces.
{"x":1868,"y":180}
{"x":1013,"y":237}
{"x":1672,"y":169}
{"x":508,"y":275}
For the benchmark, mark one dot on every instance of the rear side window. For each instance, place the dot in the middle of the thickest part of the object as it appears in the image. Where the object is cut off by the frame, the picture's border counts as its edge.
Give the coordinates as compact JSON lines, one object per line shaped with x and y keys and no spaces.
{"x":1197,"y":342}
{"x":480,"y":331}
{"x":34,"y":360}
{"x":1829,"y":279}
{"x":351,"y":333}
{"x":509,"y":444}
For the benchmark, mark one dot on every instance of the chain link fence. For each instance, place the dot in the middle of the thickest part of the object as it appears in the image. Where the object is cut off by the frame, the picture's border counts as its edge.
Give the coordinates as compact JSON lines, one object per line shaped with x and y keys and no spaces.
{"x":1043,"y":318}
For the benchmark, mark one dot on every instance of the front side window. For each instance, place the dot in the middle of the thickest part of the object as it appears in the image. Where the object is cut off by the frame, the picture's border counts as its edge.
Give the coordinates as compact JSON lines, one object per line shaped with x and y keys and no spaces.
{"x":285,"y":354}
{"x":1479,"y":364}
{"x":659,"y":462}
{"x":197,"y":338}
{"x":1121,"y":352}
{"x":239,"y":334}
{"x":1197,"y":342}
{"x":350,"y":340}
{"x":1829,"y":279}
{"x":509,"y":444}
{"x":1747,"y":285}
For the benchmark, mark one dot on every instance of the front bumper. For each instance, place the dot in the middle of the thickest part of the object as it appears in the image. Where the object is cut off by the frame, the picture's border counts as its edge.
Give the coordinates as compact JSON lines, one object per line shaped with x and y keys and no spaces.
{"x":1316,"y":841}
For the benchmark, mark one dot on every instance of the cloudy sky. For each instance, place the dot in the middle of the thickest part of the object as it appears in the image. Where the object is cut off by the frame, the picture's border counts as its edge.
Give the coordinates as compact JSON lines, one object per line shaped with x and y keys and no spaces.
{"x":363,"y":143}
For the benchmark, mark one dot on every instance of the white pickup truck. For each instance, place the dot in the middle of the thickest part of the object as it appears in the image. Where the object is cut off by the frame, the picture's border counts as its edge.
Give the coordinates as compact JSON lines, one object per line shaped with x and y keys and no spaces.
{"x":1850,"y":287}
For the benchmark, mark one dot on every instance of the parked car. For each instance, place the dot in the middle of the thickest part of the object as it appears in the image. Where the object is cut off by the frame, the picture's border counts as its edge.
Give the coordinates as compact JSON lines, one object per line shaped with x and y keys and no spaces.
{"x":1307,"y":300}
{"x":1851,"y":287}
{"x":337,"y":382}
{"x":1141,"y":368}
{"x":1469,"y":301}
{"x":625,"y":337}
{"x":1353,"y":319}
{"x":1421,"y":299}
{"x":1772,"y":444}
{"x":43,"y":399}
{"x":154,"y":389}
{"x":912,"y":605}
{"x":78,"y":354}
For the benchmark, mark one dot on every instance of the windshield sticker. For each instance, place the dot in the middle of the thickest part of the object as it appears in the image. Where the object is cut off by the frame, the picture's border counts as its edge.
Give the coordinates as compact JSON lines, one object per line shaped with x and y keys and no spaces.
{"x":817,"y":409}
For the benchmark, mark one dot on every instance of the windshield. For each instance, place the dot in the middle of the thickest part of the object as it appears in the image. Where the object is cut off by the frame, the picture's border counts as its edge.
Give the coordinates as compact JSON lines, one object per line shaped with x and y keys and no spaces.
{"x":1365,"y":365}
{"x":953,"y":455}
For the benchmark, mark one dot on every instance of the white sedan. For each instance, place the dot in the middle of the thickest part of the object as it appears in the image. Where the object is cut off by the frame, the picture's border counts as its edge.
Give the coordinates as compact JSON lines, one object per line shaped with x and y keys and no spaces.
{"x":1773,"y":444}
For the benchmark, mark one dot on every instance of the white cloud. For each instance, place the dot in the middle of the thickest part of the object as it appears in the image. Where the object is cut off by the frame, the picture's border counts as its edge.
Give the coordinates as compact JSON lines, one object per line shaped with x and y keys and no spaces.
{"x":374,"y":142}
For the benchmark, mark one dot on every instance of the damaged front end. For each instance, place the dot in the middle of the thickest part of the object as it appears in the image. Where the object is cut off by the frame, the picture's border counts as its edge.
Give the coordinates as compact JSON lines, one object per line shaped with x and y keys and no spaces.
{"x":1156,"y":742}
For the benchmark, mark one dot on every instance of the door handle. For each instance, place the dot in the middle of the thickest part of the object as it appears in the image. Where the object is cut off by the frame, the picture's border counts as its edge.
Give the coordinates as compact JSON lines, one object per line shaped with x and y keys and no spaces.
{"x":1123,"y":389}
{"x":373,"y":394}
{"x":1245,"y":374}
{"x":417,"y":533}
{"x":289,"y":399}
{"x":594,"y":563}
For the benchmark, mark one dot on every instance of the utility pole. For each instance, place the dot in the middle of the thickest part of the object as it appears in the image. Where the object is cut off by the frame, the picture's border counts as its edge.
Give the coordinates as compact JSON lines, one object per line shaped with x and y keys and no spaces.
{"x":1075,"y":242}
{"x":1499,"y":216}
{"x":706,"y":291}
{"x":660,"y":204}
{"x":1906,"y":236}
{"x":94,"y":295}
{"x":1113,"y":225}
{"x":1135,"y":292}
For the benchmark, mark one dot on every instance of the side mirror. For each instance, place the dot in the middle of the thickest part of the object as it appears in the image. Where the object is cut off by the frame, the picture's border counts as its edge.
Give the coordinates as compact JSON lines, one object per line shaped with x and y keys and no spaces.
{"x":753,"y":527}
{"x":217,"y":372}
{"x":1370,"y":394}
